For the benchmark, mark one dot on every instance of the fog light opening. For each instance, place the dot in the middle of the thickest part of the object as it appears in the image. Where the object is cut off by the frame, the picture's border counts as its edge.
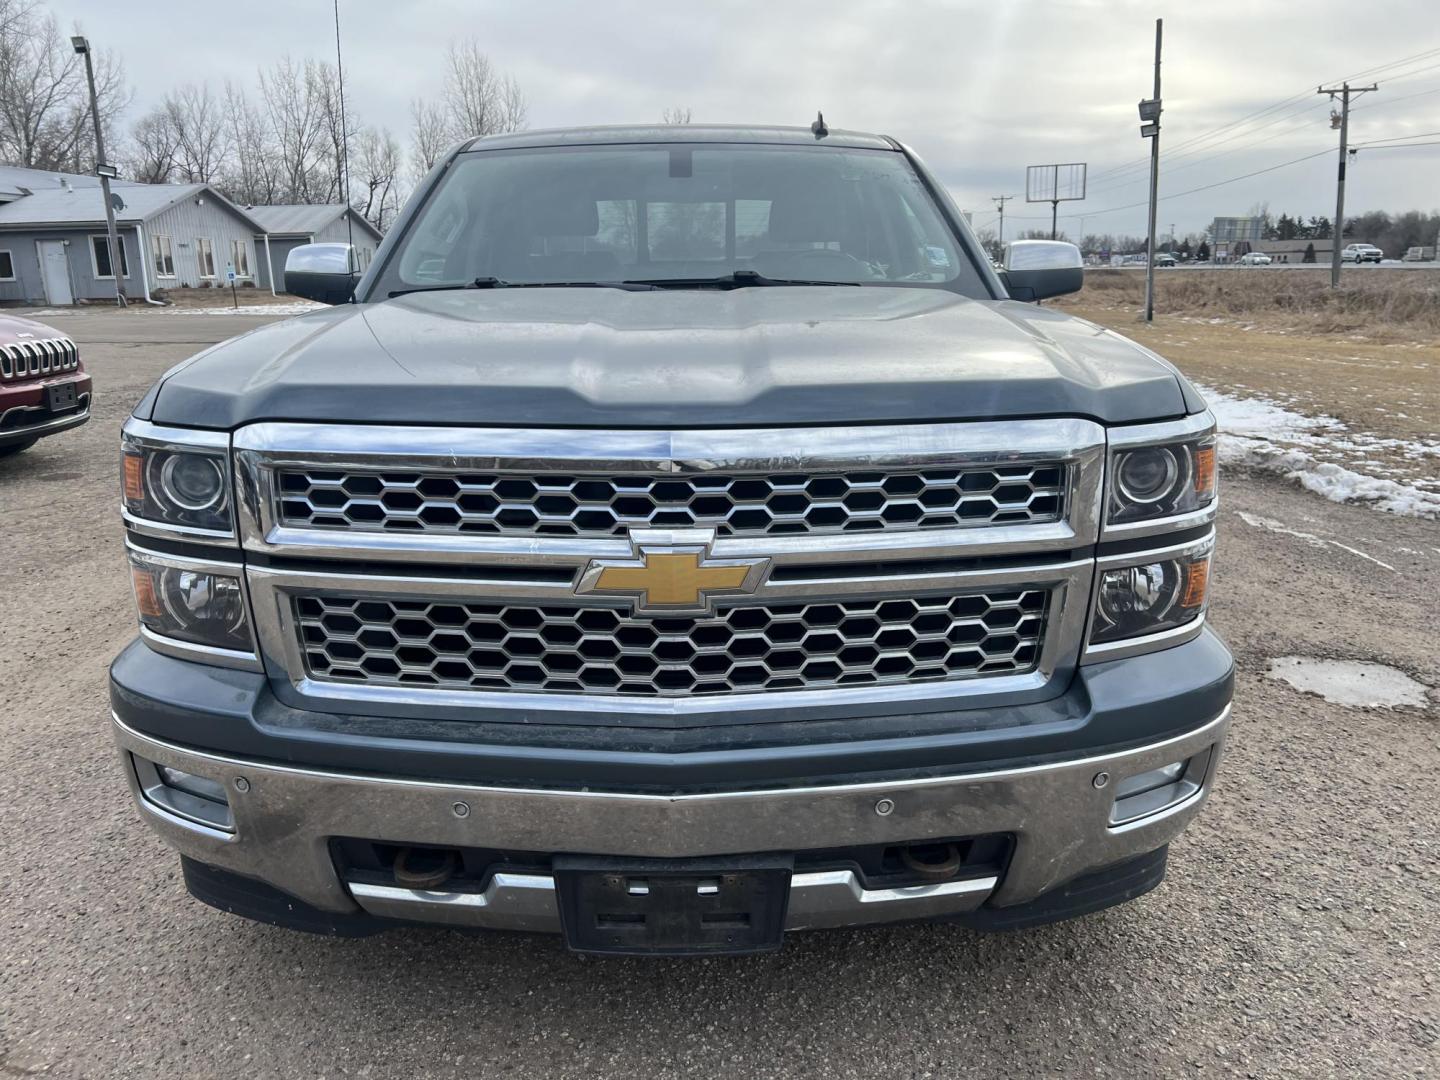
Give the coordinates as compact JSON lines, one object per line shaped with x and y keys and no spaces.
{"x":1156,"y":790}
{"x":197,"y":799}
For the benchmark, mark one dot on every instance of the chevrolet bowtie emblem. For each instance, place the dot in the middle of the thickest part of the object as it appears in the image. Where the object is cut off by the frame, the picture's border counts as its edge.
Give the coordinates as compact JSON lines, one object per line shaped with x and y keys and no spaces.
{"x":671,"y":573}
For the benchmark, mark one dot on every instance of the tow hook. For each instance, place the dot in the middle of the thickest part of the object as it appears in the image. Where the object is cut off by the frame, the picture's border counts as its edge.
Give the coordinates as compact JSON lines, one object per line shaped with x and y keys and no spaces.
{"x":427,"y":877}
{"x":934,"y":862}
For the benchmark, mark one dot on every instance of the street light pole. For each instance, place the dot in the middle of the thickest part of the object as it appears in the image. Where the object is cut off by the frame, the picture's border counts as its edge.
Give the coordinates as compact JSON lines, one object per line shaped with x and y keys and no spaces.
{"x":105,"y":171}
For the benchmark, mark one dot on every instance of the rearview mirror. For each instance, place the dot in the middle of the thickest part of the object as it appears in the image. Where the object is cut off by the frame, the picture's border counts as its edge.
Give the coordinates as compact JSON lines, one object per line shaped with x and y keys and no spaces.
{"x":1036,"y":269}
{"x":323,"y":272}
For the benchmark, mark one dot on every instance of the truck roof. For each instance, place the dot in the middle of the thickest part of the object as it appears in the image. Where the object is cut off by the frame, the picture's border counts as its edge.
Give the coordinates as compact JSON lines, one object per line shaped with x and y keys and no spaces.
{"x":686,"y":133}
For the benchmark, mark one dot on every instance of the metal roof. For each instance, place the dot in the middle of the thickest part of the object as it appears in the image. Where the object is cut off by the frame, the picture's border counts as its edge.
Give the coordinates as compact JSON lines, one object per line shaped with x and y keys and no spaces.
{"x":15,"y":180}
{"x":83,"y":206}
{"x":688,"y":133}
{"x":301,"y":219}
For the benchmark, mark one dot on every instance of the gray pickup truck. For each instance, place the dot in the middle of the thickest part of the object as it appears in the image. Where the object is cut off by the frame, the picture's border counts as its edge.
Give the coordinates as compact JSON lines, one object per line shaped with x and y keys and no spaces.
{"x":677,"y":537}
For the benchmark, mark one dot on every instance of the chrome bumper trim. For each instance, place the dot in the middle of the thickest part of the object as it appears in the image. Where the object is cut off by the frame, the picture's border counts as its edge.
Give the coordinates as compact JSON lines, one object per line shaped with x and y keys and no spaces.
{"x":54,"y":426}
{"x":285,"y":816}
{"x":827,"y":898}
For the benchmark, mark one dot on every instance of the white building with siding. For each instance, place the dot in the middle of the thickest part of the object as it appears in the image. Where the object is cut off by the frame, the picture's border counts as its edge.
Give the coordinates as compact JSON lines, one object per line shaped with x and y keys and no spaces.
{"x":53,"y":248}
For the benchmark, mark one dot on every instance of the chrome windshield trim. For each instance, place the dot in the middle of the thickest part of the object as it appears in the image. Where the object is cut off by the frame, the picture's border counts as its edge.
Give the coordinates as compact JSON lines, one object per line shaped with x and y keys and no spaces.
{"x":263,"y":448}
{"x":271,"y":589}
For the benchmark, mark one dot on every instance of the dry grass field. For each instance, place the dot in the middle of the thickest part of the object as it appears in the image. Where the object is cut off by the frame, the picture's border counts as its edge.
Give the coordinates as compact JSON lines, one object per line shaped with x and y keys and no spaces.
{"x":1381,"y":305}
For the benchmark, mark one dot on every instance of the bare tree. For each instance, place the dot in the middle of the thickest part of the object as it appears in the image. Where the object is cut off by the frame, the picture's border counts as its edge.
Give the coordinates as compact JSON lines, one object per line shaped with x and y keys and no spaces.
{"x":154,"y":150}
{"x":478,"y":99}
{"x":678,"y":115}
{"x":252,"y":175}
{"x":377,"y":172}
{"x":429,"y":136}
{"x":44,"y":101}
{"x":337,"y":119}
{"x":198,"y":126}
{"x":297,"y":120}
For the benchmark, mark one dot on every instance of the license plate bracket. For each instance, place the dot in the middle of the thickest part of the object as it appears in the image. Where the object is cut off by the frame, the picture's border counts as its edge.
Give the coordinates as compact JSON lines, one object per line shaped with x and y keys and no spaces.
{"x":61,"y":397}
{"x":673,"y":907}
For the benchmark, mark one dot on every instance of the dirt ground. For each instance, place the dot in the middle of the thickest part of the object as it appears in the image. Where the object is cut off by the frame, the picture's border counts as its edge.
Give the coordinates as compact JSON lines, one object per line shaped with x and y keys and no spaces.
{"x":1296,"y":935}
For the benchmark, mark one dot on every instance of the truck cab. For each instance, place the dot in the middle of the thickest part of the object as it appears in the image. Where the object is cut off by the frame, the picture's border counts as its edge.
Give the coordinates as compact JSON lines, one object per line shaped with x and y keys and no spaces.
{"x":676,"y":538}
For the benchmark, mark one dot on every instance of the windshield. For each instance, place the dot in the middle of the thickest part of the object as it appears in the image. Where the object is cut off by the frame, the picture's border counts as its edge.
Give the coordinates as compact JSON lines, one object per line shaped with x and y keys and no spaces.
{"x":679,"y":215}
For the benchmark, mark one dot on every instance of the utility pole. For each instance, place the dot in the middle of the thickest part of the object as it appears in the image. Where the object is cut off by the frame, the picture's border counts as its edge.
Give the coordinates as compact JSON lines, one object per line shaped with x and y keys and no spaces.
{"x":1337,"y":231}
{"x":1172,"y":238}
{"x":105,"y":172}
{"x":1000,"y":201}
{"x":1150,"y":129}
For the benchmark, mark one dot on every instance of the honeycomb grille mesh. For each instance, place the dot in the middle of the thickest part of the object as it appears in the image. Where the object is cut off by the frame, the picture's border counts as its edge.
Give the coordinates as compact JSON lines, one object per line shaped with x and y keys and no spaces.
{"x":564,"y":649}
{"x":556,"y":505}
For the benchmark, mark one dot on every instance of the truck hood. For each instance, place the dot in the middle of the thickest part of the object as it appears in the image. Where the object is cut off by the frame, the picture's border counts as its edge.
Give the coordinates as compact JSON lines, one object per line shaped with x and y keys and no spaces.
{"x":597,"y":357}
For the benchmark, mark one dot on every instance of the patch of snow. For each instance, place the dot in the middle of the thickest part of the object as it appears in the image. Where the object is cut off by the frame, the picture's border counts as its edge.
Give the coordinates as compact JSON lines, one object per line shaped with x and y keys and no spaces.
{"x":1260,"y":434}
{"x":298,"y":307}
{"x":1349,"y":682}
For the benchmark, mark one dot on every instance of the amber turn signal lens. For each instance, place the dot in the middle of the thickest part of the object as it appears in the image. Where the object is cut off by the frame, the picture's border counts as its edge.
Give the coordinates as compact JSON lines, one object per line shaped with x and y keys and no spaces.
{"x":134,"y":478}
{"x":1205,"y":472}
{"x":145,"y":598}
{"x":1197,"y":580}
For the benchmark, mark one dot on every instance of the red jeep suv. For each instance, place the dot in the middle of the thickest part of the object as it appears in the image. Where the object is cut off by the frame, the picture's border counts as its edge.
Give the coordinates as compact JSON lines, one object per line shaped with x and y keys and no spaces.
{"x":43,"y":386}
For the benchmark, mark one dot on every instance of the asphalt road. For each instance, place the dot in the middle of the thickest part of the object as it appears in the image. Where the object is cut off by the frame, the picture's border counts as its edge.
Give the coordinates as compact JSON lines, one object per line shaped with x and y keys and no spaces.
{"x":1297,"y":935}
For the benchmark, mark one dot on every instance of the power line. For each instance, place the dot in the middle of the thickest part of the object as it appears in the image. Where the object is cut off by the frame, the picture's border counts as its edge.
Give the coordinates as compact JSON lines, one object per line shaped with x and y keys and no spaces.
{"x":1206,"y":136}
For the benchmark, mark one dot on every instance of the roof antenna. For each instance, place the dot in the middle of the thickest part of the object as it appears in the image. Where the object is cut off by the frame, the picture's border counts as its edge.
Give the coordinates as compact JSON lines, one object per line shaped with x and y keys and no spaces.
{"x":818,"y":127}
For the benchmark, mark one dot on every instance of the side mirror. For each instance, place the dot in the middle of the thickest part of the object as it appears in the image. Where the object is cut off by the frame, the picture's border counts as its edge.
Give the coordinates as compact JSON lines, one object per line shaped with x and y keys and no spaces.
{"x":323,"y":272}
{"x":1036,"y":269}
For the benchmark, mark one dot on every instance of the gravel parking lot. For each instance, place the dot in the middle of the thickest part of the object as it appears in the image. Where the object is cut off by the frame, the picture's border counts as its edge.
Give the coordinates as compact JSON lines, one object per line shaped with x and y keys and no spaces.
{"x":1297,"y":934}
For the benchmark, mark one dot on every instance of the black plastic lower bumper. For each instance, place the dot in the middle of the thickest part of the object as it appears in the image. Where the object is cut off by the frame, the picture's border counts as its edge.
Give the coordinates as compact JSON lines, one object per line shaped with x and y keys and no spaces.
{"x":264,"y":903}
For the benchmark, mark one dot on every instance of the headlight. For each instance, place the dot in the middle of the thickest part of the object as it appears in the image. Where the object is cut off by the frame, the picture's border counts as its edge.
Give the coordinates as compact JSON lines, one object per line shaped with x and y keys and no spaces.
{"x":172,"y":482}
{"x":198,"y":606}
{"x":1161,"y":480}
{"x":1151,"y":595}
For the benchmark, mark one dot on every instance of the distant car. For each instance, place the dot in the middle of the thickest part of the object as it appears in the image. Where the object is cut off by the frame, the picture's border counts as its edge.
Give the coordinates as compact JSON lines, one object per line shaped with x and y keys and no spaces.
{"x":43,"y":386}
{"x":1165,"y":259}
{"x":1361,"y":253}
{"x":1255,"y":258}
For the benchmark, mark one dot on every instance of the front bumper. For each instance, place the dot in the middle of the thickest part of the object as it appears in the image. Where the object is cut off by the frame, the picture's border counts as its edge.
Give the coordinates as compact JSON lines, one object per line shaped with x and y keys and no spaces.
{"x":1059,"y":814}
{"x":25,"y":417}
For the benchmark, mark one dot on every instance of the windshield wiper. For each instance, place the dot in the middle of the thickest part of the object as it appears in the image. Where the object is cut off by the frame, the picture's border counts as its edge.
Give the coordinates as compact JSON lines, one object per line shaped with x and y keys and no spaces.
{"x":498,"y":283}
{"x":736,"y":279}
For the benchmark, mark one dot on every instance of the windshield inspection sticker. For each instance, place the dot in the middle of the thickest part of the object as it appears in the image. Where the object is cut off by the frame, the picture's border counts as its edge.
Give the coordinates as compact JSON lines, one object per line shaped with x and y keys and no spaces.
{"x":938,"y":256}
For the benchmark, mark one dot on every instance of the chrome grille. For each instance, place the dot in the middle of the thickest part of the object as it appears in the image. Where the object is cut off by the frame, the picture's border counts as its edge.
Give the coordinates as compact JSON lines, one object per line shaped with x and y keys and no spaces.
{"x":31,"y":359}
{"x":610,"y":505}
{"x":555,"y":648}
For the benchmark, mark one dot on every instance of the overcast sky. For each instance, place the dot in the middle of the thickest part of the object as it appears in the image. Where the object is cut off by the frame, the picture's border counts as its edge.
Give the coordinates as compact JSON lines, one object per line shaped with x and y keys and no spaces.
{"x":980,"y":90}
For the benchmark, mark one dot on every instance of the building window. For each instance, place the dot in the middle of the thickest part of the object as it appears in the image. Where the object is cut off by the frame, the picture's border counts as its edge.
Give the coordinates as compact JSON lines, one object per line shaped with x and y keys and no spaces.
{"x":163,"y":255}
{"x":240,"y":258}
{"x":100,"y":257}
{"x":7,"y":266}
{"x":205,"y":256}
